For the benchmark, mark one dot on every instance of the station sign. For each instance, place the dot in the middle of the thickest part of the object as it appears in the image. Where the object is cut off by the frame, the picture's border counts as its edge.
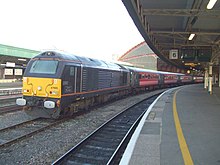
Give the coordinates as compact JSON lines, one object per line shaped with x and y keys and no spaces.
{"x":190,"y":64}
{"x":8,"y":72}
{"x":18,"y":72}
{"x":10,"y":64}
{"x":173,"y":54}
{"x":196,"y":54}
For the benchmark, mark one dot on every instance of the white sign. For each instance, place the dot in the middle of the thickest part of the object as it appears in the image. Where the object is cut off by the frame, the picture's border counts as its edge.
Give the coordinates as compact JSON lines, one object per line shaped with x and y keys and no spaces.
{"x":18,"y":72}
{"x":173,"y":54}
{"x":8,"y":72}
{"x":10,"y":64}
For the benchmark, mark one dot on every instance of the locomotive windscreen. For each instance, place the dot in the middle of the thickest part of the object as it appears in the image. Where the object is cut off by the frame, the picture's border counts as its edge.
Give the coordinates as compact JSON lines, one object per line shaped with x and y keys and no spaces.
{"x":44,"y":67}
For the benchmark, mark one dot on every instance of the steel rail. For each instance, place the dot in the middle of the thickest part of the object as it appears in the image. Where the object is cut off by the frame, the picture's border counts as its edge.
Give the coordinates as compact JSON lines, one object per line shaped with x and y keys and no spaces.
{"x":104,"y":145}
{"x":33,"y":132}
{"x":7,"y":109}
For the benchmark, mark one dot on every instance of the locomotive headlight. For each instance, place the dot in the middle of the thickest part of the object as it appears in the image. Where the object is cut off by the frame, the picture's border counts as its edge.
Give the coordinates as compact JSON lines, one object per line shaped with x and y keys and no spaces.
{"x":39,"y":88}
{"x":26,"y":90}
{"x":55,"y":81}
{"x":54,"y":92}
{"x":24,"y":79}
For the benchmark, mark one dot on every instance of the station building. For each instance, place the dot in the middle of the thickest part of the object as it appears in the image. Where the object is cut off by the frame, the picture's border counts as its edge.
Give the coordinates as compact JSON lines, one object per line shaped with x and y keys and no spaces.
{"x":13,"y":61}
{"x":141,"y":56}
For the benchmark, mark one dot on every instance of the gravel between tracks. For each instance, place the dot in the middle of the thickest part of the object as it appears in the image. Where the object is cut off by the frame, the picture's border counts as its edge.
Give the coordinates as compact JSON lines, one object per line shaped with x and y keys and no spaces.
{"x":13,"y":118}
{"x":47,"y":146}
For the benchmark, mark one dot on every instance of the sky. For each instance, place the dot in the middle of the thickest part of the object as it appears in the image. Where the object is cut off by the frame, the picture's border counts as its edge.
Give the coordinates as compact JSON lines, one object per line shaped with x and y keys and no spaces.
{"x":92,"y":28}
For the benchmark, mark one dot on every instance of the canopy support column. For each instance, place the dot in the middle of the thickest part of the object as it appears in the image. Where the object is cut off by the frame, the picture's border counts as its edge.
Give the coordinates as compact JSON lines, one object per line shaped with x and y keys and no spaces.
{"x":210,"y":78}
{"x":206,"y":78}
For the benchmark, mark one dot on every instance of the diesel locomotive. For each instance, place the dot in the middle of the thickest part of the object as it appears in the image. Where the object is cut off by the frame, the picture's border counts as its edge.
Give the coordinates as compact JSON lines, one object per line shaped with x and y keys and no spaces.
{"x":57,"y":84}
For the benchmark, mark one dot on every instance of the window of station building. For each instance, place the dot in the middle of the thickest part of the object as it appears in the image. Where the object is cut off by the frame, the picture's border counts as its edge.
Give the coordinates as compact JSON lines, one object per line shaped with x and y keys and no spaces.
{"x":44,"y":67}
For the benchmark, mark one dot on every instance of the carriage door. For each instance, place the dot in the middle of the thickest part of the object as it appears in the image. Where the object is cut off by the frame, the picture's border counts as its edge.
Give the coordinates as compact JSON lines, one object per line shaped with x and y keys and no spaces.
{"x":161,"y":79}
{"x":132,"y":78}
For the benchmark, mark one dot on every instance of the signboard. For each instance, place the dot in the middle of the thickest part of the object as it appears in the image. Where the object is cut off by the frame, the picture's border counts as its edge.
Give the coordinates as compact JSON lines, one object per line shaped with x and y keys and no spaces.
{"x":18,"y":72}
{"x":8,"y":72}
{"x":198,"y":54}
{"x":204,"y":55}
{"x":10,"y":64}
{"x":173,"y":54}
{"x":188,"y":54}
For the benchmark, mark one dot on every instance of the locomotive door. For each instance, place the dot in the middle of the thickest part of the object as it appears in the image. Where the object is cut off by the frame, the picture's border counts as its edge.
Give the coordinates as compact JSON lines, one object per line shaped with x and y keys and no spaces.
{"x":78,"y":79}
{"x":76,"y":82}
{"x":71,"y":79}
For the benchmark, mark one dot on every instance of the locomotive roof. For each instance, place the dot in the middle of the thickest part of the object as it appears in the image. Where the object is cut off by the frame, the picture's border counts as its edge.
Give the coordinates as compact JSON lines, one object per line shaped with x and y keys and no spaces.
{"x":94,"y":62}
{"x":79,"y":59}
{"x":152,"y":71}
{"x":56,"y":54}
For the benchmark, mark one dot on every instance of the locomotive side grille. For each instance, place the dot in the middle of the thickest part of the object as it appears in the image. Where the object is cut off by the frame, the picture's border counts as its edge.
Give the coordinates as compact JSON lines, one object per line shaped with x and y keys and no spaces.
{"x":115,"y":79}
{"x":84,"y":79}
{"x":104,"y":79}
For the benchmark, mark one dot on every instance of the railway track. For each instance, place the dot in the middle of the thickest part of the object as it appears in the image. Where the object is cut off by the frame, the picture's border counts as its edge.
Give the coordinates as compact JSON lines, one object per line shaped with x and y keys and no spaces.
{"x":107,"y":143}
{"x":8,"y":100}
{"x":12,"y":108}
{"x":18,"y":132}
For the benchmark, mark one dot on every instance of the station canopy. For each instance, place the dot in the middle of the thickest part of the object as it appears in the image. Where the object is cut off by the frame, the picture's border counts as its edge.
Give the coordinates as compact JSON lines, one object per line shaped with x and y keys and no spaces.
{"x":167,"y":24}
{"x":16,"y":55}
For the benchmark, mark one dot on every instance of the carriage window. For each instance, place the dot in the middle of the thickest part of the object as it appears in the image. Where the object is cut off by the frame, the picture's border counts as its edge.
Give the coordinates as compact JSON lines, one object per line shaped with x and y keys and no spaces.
{"x":44,"y":67}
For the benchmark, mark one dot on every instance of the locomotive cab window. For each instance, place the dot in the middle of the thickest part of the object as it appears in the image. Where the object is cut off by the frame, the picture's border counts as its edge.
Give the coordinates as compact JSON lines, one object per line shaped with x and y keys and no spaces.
{"x":44,"y":67}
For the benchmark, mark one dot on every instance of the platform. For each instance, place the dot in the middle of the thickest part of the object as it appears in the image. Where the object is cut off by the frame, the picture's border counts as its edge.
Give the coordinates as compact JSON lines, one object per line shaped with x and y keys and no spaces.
{"x":10,"y":91}
{"x":182,"y":128}
{"x":4,"y":85}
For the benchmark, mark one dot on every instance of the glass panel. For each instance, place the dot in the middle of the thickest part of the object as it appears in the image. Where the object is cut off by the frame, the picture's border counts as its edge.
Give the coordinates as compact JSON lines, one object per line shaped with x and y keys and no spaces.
{"x":44,"y":67}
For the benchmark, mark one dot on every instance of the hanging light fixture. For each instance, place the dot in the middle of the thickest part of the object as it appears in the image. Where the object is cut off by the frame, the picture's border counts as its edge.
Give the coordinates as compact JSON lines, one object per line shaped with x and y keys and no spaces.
{"x":192,"y":35}
{"x":211,"y":4}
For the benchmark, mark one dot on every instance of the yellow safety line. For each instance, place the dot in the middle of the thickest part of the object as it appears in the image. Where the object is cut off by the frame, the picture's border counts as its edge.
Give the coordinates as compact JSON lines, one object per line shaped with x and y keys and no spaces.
{"x":182,"y":142}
